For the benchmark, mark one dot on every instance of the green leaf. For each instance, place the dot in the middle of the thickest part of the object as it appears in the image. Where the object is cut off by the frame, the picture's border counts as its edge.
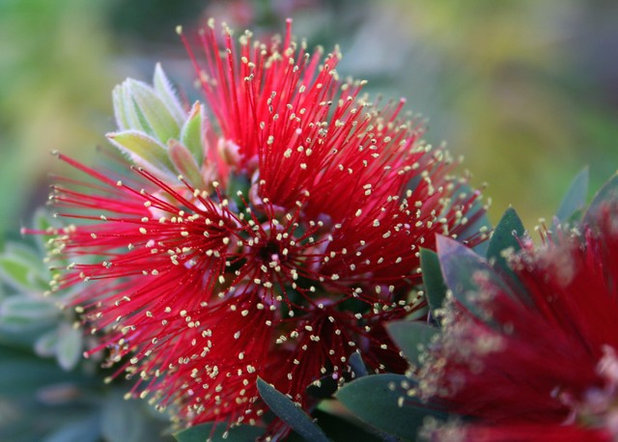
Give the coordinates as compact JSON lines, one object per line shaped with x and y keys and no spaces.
{"x":357,"y":365}
{"x":185,"y":164}
{"x":575,"y":198}
{"x":219,"y":432}
{"x":463,"y":192}
{"x":123,"y":109}
{"x":435,"y":288}
{"x":22,"y":269}
{"x":412,"y":337}
{"x":168,"y":95}
{"x":504,"y":238}
{"x":609,"y":192}
{"x":191,"y":134}
{"x":46,"y":344}
{"x":376,"y":401}
{"x":143,"y":150}
{"x":22,"y":311}
{"x":289,"y":413}
{"x":69,"y":346}
{"x":122,"y":420}
{"x":150,"y":107}
{"x":15,"y":272}
{"x":460,"y":267}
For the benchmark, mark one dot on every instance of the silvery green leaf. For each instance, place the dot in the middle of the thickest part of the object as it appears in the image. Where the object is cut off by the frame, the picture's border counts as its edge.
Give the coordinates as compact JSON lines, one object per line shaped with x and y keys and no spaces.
{"x":21,"y":311}
{"x":166,"y":92}
{"x":45,"y":346}
{"x":192,"y":132}
{"x":37,"y":277}
{"x":69,"y":347}
{"x":122,"y":108}
{"x":156,"y":119}
{"x":20,"y":271}
{"x":143,"y":150}
{"x":185,"y":164}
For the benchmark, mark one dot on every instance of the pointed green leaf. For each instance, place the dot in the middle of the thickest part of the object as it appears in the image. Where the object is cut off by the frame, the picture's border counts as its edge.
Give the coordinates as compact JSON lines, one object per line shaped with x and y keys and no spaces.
{"x":435,"y":288}
{"x":122,"y":107}
{"x":219,"y":433}
{"x":143,"y":150}
{"x":160,"y":122}
{"x":609,"y":192}
{"x":381,"y":401}
{"x":168,"y":95}
{"x":192,"y":132}
{"x":289,"y":413}
{"x":358,"y":366}
{"x":460,"y":267}
{"x":473,"y":226}
{"x":575,"y":198}
{"x":128,"y":110}
{"x":185,"y":164}
{"x":504,"y":238}
{"x":412,"y":337}
{"x":69,"y":346}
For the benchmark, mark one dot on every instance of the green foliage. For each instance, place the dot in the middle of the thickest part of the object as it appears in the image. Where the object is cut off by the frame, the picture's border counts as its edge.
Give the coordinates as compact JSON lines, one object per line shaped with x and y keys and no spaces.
{"x":505,"y":239}
{"x":185,"y":163}
{"x":31,"y":309}
{"x":609,"y":192}
{"x":192,"y":132}
{"x":290,"y":413}
{"x":435,"y":289}
{"x":381,"y":401}
{"x":156,"y":112}
{"x":41,"y":401}
{"x":462,"y":268}
{"x":358,"y":366}
{"x":412,"y":337}
{"x":574,"y":200}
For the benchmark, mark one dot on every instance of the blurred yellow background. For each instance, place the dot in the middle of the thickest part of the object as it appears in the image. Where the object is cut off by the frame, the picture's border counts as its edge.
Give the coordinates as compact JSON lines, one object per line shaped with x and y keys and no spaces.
{"x":526,"y":90}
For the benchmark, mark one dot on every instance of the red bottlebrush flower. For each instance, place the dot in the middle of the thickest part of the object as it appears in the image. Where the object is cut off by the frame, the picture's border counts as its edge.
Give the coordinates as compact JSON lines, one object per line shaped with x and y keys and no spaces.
{"x":281,"y":267}
{"x":536,"y":359}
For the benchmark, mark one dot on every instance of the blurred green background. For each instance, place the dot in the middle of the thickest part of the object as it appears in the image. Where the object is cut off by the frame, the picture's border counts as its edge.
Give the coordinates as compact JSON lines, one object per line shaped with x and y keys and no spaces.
{"x":526,"y":90}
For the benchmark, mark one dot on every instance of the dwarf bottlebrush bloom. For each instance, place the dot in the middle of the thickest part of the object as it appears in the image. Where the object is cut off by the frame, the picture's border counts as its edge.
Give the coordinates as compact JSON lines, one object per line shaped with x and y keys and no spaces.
{"x":289,"y":239}
{"x":533,"y":357}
